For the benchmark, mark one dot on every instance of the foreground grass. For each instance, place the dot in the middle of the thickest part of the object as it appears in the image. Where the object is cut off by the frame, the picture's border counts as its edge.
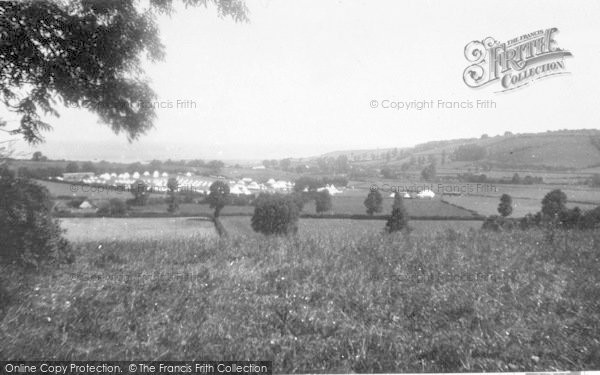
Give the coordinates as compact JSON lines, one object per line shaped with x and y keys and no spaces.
{"x":496,"y":302}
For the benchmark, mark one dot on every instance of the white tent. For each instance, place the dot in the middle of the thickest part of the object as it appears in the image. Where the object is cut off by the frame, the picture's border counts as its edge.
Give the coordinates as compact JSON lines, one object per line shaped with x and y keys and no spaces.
{"x":155,"y":174}
{"x":426,"y":194}
{"x":136,"y":175}
{"x":86,"y":204}
{"x":146,"y":173}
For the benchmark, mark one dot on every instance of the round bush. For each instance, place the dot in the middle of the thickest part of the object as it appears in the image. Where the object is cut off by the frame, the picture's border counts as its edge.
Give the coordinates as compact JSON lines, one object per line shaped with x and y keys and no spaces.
{"x":275,"y":214}
{"x":29,"y":234}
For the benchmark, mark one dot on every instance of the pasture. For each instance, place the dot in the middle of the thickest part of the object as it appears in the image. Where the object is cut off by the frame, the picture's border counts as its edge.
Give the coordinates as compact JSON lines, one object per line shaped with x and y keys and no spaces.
{"x":132,"y":229}
{"x":240,"y":226}
{"x":441,"y":302}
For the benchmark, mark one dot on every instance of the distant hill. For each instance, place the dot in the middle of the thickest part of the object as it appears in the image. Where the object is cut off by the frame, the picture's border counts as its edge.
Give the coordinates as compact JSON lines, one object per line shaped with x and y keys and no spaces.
{"x":556,"y":150}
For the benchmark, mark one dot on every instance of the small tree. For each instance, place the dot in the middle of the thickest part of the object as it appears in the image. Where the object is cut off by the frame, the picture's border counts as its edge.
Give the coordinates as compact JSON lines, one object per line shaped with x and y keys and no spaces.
{"x":275,"y":214}
{"x":218,"y":196}
{"x":323,"y":201}
{"x":374,"y":202}
{"x":399,"y":219}
{"x":554,"y":204}
{"x":29,"y":235}
{"x":172,"y":203}
{"x":505,"y":207}
{"x":140,"y":191}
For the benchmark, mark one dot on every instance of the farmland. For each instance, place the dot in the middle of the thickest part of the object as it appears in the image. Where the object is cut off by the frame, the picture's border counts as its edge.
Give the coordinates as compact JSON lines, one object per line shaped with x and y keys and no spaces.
{"x":240,"y":226}
{"x":348,"y":302}
{"x":119,"y":229}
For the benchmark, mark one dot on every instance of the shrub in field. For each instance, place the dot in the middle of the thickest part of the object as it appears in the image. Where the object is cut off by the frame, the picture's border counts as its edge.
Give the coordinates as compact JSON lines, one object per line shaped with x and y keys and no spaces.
{"x":399,"y":219}
{"x":374,"y":202}
{"x":591,"y":219}
{"x":29,"y":235}
{"x":114,"y":207}
{"x":323,"y":201}
{"x":140,"y":191}
{"x":505,"y":207}
{"x":218,"y":196}
{"x":553,"y":205}
{"x":275,"y":214}
{"x":172,"y":204}
{"x":498,"y":223}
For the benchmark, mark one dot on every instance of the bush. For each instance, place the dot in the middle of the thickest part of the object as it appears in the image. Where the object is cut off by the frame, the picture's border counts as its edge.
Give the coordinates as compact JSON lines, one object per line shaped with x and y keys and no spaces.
{"x":29,"y":235}
{"x":275,"y":214}
{"x":114,"y":207}
{"x":505,"y":206}
{"x":399,"y":219}
{"x":323,"y":201}
{"x":374,"y":202}
{"x":498,"y":223}
{"x":554,"y":205}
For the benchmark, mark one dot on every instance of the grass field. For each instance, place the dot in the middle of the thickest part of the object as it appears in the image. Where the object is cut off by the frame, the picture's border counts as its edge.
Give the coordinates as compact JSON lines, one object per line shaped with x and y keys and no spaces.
{"x":239,"y":225}
{"x":354,"y":204}
{"x":441,"y":302}
{"x":120,"y":229}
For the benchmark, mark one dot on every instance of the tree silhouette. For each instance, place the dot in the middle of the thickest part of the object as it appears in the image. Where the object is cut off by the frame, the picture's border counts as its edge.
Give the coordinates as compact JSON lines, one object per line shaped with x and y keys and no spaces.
{"x":505,"y":207}
{"x":399,"y":219}
{"x":84,"y":54}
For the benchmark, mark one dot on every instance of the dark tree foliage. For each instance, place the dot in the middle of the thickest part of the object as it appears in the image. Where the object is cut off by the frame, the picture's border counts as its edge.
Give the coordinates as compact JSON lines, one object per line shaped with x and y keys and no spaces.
{"x":140,"y":191}
{"x":86,"y":54}
{"x":554,"y":204}
{"x":374,"y":202}
{"x":399,"y":219}
{"x":218,"y":196}
{"x":172,"y":204}
{"x":323,"y":201}
{"x":505,"y":207}
{"x":275,"y":214}
{"x":300,"y":199}
{"x":29,"y":235}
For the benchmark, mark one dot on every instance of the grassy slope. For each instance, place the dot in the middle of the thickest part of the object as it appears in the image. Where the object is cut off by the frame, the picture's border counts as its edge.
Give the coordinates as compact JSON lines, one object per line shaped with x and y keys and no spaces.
{"x":568,"y":149}
{"x":318,"y":303}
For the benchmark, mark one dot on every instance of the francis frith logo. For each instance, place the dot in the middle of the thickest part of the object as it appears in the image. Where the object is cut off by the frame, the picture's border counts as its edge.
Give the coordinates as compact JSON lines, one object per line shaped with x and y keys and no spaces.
{"x":514,"y":63}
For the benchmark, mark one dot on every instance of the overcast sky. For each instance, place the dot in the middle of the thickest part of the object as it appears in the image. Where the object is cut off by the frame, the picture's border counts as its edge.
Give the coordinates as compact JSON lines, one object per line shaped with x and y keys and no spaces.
{"x":298,"y":79}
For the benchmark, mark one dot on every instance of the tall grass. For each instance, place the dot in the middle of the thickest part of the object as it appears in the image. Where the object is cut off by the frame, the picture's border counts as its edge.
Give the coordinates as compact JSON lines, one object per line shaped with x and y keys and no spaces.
{"x":452,"y":301}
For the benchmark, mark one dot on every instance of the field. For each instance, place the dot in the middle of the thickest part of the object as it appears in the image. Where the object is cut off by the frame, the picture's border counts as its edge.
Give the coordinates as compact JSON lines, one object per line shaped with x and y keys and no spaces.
{"x":347,"y":302}
{"x":239,"y":225}
{"x":119,"y":229}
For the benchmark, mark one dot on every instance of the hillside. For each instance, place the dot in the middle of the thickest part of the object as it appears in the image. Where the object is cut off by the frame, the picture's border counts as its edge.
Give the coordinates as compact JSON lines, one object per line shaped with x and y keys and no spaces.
{"x":554,"y":150}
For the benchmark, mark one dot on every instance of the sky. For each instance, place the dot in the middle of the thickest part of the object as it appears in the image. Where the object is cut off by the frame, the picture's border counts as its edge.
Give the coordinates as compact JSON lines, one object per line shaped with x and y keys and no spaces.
{"x":299,"y":80}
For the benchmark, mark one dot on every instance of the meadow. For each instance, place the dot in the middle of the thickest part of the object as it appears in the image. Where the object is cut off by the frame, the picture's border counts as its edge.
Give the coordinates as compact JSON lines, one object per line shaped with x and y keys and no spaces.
{"x":240,"y":225}
{"x":121,"y":229}
{"x":344,"y":302}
